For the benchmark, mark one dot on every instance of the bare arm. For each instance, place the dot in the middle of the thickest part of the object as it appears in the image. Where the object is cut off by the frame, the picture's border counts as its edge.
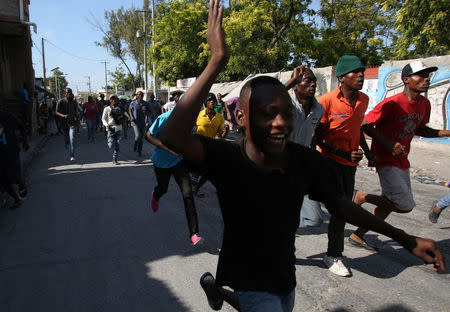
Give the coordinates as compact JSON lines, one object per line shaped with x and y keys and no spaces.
{"x":130,"y":112}
{"x":395,"y":148}
{"x":57,"y":110}
{"x":363,"y":143}
{"x":157,"y":142}
{"x":423,"y":248}
{"x":353,"y":156}
{"x":297,"y":75}
{"x":428,"y":132}
{"x":176,"y":134}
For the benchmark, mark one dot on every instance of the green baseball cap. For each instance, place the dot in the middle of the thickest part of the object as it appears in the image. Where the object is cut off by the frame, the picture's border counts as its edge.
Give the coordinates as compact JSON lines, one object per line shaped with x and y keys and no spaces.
{"x":347,"y":64}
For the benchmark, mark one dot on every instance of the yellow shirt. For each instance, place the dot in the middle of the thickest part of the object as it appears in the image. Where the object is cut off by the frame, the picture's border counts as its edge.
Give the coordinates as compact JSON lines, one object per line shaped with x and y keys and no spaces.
{"x":210,"y":127}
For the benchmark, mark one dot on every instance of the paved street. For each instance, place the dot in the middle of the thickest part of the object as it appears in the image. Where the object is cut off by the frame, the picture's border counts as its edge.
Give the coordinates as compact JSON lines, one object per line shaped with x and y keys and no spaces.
{"x":86,"y":239}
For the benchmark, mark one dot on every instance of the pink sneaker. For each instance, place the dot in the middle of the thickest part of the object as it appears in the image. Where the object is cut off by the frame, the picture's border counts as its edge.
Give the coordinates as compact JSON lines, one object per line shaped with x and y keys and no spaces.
{"x":155,"y":204}
{"x":195,"y":239}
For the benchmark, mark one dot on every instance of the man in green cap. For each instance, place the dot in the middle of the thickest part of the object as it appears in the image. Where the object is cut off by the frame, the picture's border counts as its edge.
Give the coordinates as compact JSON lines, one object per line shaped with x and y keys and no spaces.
{"x":338,"y":137}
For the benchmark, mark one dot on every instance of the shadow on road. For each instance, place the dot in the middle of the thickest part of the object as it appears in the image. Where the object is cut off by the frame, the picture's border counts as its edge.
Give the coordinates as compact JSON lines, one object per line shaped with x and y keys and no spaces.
{"x":87,"y":240}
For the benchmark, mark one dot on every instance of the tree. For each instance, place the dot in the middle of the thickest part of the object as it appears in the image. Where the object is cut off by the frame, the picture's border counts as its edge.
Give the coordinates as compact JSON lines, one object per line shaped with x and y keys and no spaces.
{"x":357,"y":27}
{"x":59,"y":79}
{"x":423,"y":27}
{"x":119,"y":77}
{"x":117,"y":38}
{"x":179,"y":34}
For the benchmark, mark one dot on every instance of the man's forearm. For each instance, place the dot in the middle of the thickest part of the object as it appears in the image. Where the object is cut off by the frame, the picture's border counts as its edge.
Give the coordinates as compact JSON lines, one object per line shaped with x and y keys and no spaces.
{"x":183,"y":117}
{"x":334,"y":150}
{"x":358,"y":216}
{"x":377,"y":136}
{"x":428,"y":132}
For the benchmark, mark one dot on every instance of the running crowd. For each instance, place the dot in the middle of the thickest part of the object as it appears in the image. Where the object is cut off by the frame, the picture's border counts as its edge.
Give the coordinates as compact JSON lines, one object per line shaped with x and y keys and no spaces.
{"x":289,"y":146}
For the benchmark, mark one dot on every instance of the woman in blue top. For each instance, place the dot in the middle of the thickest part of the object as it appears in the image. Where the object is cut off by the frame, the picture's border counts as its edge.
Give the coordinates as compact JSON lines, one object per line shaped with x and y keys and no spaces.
{"x":168,"y":163}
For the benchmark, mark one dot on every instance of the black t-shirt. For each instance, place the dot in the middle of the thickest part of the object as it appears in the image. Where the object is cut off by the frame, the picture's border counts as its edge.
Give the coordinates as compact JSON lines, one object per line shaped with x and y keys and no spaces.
{"x":260,"y":210}
{"x":69,"y":108}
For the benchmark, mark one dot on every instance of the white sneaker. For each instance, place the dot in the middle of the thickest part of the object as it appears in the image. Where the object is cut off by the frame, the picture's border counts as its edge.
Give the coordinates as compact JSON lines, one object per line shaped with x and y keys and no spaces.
{"x":336,"y":266}
{"x":72,"y":158}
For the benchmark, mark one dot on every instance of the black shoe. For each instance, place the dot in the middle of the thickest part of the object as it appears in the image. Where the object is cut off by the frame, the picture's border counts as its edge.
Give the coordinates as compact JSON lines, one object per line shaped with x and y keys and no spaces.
{"x":139,"y":153}
{"x":213,"y":295}
{"x":363,"y":244}
{"x":432,"y":215}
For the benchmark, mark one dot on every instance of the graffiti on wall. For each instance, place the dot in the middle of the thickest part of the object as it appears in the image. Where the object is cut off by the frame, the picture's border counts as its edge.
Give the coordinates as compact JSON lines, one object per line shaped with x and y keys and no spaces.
{"x":390,"y":83}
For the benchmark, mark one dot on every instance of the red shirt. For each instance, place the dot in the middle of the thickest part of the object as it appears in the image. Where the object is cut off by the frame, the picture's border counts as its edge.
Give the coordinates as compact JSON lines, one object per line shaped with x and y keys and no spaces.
{"x":91,"y":110}
{"x":344,"y":122}
{"x":398,"y":119}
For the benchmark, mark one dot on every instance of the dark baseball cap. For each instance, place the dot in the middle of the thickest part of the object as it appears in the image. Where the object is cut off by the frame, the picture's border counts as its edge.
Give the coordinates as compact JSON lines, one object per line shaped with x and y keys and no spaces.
{"x":211,"y":97}
{"x":415,"y":67}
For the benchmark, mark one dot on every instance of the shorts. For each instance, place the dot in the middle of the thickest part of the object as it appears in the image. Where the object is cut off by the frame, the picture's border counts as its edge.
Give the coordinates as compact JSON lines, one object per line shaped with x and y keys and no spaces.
{"x":261,"y":301}
{"x":396,"y":186}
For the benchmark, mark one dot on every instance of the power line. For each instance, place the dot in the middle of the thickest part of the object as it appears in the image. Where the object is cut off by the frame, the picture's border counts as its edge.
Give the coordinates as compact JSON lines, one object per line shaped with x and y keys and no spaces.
{"x":70,"y":53}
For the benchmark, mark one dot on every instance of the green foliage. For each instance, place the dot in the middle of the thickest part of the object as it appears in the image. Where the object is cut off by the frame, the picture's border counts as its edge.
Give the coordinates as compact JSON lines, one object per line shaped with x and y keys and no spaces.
{"x":271,"y":35}
{"x":57,"y":83}
{"x":178,"y":38}
{"x":121,"y":78}
{"x":258,"y":36}
{"x":358,"y":27}
{"x":423,"y":27}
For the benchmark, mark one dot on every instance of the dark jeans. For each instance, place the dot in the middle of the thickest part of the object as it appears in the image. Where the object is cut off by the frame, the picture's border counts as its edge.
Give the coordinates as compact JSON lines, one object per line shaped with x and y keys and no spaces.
{"x":181,"y":175}
{"x":346,"y":179}
{"x":90,"y":125}
{"x":139,"y":133}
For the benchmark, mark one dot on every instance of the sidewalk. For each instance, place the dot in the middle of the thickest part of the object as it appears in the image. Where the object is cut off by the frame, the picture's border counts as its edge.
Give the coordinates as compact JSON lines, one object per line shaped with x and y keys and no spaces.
{"x":26,"y":158}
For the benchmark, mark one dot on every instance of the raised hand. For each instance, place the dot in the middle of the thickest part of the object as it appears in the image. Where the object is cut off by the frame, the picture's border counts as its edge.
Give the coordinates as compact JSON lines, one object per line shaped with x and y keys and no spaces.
{"x":298,"y":73}
{"x":215,"y":34}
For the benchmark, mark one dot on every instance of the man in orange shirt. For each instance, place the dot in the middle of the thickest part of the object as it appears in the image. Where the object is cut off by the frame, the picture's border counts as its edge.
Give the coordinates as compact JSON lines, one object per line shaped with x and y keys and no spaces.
{"x":338,"y":137}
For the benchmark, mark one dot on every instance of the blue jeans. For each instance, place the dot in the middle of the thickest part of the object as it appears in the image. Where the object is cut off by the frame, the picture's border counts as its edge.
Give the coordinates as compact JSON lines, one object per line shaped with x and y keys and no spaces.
{"x":444,"y":202}
{"x":91,"y":127}
{"x":139,"y":133}
{"x":69,"y":138}
{"x":113,"y":140}
{"x":311,"y":214}
{"x":261,"y":301}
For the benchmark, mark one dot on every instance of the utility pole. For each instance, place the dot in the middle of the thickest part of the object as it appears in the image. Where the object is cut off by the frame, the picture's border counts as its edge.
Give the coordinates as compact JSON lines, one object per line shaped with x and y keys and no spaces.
{"x":89,"y":83}
{"x":54,"y":70}
{"x":153,"y":47}
{"x":106,"y":80}
{"x":145,"y":52}
{"x":43,"y":65}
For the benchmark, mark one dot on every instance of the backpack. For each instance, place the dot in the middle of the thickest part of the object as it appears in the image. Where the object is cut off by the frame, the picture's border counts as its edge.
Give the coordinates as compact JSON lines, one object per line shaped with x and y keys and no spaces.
{"x":117,"y":115}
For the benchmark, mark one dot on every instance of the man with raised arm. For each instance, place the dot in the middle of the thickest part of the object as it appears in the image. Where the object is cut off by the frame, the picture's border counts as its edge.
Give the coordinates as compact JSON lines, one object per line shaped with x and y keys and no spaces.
{"x":260,"y":265}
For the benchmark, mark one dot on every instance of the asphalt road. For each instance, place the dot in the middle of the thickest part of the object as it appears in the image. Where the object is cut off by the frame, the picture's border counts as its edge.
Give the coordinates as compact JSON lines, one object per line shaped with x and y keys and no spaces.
{"x":86,"y":239}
